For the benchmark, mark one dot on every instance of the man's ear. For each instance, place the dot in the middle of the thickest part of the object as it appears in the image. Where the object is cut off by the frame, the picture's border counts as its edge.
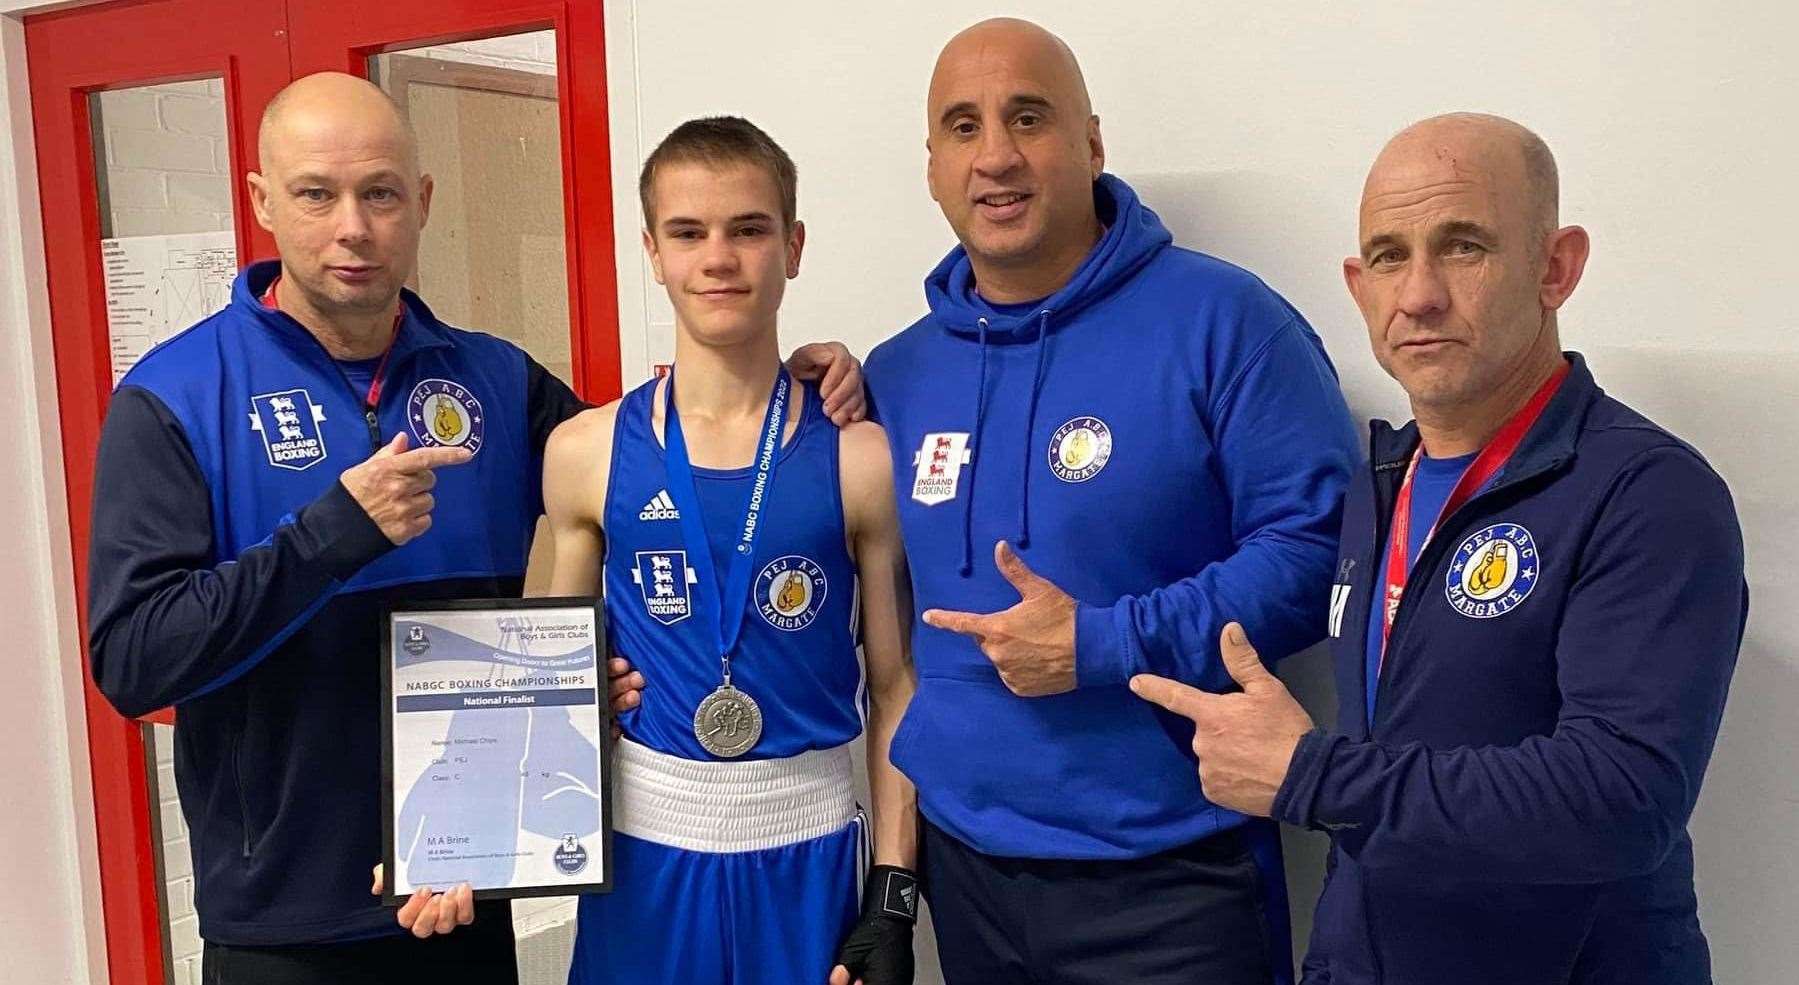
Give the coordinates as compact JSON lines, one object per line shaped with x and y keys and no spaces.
{"x":796,"y":244}
{"x":259,"y":200}
{"x":1565,"y":251}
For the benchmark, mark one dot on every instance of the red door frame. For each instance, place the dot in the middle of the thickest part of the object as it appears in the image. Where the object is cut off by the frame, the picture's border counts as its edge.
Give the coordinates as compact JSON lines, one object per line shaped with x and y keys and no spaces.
{"x":256,"y":49}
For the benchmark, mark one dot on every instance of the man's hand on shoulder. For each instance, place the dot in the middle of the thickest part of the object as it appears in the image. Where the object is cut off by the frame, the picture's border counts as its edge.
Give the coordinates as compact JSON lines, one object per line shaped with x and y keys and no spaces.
{"x":839,"y":377}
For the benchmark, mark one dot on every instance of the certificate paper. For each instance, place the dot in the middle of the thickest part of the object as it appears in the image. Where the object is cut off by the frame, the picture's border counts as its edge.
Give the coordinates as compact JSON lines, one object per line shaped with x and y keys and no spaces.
{"x":494,"y":759}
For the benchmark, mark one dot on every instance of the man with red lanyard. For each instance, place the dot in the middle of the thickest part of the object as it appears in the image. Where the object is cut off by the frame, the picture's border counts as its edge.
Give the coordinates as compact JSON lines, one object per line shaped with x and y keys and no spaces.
{"x":266,"y":481}
{"x":1540,"y":598}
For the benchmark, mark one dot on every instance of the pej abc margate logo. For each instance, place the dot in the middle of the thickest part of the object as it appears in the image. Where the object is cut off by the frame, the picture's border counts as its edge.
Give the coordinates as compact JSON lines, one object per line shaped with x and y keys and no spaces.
{"x":790,"y":591}
{"x":1079,"y":449}
{"x":1492,"y":572}
{"x":288,"y":422}
{"x":445,"y":413}
{"x":569,"y":856}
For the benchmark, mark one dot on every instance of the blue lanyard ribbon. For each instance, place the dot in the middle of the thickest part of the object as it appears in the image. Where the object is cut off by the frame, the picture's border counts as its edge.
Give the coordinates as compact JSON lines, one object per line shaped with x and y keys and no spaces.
{"x":734,"y":596}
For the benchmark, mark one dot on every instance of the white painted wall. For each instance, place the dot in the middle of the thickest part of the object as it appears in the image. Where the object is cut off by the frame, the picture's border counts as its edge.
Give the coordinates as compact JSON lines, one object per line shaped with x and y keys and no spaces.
{"x":1249,"y":126}
{"x":50,"y":929}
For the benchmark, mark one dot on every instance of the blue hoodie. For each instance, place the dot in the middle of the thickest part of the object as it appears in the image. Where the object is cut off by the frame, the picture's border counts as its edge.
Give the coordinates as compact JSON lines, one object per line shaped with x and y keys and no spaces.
{"x":1164,"y":439}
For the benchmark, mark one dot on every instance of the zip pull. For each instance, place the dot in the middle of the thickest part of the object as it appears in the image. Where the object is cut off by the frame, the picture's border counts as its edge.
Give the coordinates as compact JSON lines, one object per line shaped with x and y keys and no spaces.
{"x":368,"y":417}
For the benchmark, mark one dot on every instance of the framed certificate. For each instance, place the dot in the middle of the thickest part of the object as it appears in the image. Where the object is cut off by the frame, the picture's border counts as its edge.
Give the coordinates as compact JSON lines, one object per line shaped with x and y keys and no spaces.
{"x":494,"y":748}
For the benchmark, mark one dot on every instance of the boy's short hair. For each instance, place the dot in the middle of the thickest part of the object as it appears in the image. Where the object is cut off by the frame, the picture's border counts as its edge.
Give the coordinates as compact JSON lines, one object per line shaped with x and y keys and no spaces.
{"x":719,"y":141}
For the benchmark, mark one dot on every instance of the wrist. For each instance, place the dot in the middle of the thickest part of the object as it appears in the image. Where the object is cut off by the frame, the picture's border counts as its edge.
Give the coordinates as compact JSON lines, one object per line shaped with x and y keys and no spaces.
{"x":891,"y":892}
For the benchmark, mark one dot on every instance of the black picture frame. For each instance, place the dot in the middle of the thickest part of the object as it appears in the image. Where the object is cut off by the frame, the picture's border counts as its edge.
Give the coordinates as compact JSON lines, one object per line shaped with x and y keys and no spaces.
{"x":604,"y":751}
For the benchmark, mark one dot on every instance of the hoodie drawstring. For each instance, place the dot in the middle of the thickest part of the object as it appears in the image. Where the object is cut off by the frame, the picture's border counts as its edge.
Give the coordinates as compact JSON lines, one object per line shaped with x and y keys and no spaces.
{"x":1030,"y":430}
{"x":980,"y":412}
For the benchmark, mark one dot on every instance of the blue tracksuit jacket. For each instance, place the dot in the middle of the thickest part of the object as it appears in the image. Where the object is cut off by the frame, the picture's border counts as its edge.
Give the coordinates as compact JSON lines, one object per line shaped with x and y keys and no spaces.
{"x":1517,"y":811}
{"x":232,"y":576}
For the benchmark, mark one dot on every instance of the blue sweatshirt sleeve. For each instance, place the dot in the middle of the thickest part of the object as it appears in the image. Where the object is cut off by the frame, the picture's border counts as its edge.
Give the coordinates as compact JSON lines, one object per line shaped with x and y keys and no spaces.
{"x":165,"y":622}
{"x":1286,"y":448}
{"x":1646,"y":648}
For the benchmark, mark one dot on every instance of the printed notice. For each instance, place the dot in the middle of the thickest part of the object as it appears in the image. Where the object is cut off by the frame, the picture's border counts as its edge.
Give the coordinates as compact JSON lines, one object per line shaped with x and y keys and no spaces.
{"x":157,"y":286}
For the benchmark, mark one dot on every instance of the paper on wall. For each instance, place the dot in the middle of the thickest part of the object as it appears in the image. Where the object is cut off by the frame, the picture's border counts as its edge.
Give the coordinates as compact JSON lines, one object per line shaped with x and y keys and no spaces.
{"x":157,"y":286}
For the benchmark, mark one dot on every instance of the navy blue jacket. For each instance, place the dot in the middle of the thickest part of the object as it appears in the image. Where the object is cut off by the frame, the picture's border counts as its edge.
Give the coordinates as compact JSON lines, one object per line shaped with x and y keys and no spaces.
{"x":1517,"y":812}
{"x":233,"y":576}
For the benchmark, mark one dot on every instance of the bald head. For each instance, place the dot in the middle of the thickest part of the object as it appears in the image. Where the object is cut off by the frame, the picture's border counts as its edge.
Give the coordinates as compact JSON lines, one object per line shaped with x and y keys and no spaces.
{"x":1461,"y":270}
{"x":337,"y":109}
{"x":1516,"y":161}
{"x":340,"y":190}
{"x":1007,"y":42}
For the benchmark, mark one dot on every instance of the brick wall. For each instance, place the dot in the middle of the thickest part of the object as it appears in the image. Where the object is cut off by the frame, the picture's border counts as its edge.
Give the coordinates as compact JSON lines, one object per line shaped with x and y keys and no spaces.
{"x":167,"y":161}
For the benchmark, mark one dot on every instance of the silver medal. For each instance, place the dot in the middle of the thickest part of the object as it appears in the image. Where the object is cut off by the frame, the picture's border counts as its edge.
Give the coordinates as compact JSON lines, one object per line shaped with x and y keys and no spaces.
{"x":728,"y":722}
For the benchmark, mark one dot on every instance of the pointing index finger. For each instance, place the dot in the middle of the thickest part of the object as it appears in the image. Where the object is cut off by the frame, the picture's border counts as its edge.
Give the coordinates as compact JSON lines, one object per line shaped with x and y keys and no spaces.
{"x":1188,"y":702}
{"x":424,"y":459}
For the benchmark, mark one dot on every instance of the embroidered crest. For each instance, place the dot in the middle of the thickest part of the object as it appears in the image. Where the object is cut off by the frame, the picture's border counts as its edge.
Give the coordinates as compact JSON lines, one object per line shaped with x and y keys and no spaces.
{"x":445,"y":413}
{"x":790,"y":591}
{"x":289,"y":424}
{"x":938,"y":467}
{"x":666,"y":583}
{"x":1492,"y":572}
{"x":1079,"y":449}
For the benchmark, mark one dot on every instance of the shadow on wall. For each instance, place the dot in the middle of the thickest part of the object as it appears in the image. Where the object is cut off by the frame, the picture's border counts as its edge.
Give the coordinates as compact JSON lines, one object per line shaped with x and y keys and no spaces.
{"x":1740,"y":409}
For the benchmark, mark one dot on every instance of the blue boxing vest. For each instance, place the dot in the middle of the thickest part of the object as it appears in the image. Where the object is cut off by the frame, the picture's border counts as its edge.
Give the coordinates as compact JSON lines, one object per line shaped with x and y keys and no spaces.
{"x":797,"y":654}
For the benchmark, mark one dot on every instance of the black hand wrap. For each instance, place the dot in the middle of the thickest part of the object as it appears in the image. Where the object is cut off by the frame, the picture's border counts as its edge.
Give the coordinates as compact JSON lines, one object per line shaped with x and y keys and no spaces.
{"x":878,"y":950}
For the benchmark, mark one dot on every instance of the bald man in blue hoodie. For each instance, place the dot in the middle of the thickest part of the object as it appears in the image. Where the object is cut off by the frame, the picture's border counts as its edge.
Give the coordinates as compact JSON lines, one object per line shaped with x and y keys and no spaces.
{"x":1105,"y":447}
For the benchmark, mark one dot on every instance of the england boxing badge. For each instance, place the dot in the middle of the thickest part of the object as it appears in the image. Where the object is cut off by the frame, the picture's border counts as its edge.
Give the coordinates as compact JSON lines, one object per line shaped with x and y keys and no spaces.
{"x":289,"y":424}
{"x":666,"y":583}
{"x":938,"y":467}
{"x":790,"y":591}
{"x":1079,"y":449}
{"x":445,"y":413}
{"x":1492,"y":572}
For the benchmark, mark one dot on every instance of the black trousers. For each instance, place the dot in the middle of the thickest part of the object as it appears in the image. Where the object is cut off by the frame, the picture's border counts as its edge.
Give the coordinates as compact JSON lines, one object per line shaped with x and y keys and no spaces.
{"x":478,"y":954}
{"x":1192,"y":916}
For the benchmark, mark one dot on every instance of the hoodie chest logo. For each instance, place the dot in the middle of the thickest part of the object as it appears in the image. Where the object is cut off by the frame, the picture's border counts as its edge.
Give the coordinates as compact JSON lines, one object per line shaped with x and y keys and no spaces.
{"x":1492,"y":571}
{"x":1079,"y":449}
{"x":937,"y":467}
{"x":443,"y":412}
{"x":288,"y":422}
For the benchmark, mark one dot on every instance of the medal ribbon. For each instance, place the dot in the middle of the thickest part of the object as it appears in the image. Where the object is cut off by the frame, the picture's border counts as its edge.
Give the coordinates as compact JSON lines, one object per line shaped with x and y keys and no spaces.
{"x":734,"y":595}
{"x":1487,"y":464}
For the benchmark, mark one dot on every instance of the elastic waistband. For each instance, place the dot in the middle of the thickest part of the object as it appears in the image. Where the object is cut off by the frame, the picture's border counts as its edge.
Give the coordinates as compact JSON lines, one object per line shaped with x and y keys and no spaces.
{"x":730,"y":806}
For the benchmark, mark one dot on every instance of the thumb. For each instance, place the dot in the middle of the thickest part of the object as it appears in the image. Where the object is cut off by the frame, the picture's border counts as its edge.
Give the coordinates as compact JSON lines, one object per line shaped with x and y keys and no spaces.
{"x":378,"y":872}
{"x":1241,"y":659}
{"x":393,"y":447}
{"x":805,"y":361}
{"x":840,"y":975}
{"x":1026,"y":581}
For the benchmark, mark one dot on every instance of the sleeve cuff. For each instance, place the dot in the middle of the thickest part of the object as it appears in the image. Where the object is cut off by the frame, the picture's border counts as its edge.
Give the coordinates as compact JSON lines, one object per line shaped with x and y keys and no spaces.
{"x":339,"y":534}
{"x":1295,"y":802}
{"x":1100,"y":656}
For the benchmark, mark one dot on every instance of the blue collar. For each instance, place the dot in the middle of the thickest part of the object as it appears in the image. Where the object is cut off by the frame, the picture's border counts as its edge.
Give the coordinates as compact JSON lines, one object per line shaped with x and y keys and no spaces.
{"x":1549,"y":445}
{"x":419,"y":331}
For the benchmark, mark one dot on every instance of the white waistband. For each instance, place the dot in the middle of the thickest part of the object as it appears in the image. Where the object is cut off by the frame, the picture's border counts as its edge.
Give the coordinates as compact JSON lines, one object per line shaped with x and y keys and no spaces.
{"x":730,"y":806}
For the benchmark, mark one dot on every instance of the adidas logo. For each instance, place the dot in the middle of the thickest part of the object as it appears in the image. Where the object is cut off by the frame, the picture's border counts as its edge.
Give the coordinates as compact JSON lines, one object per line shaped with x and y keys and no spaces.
{"x":660,"y":507}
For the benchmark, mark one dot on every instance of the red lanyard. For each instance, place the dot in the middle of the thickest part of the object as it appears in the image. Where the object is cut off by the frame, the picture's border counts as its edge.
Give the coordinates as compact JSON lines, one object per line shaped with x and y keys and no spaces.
{"x":373,"y":399}
{"x":1487,"y":464}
